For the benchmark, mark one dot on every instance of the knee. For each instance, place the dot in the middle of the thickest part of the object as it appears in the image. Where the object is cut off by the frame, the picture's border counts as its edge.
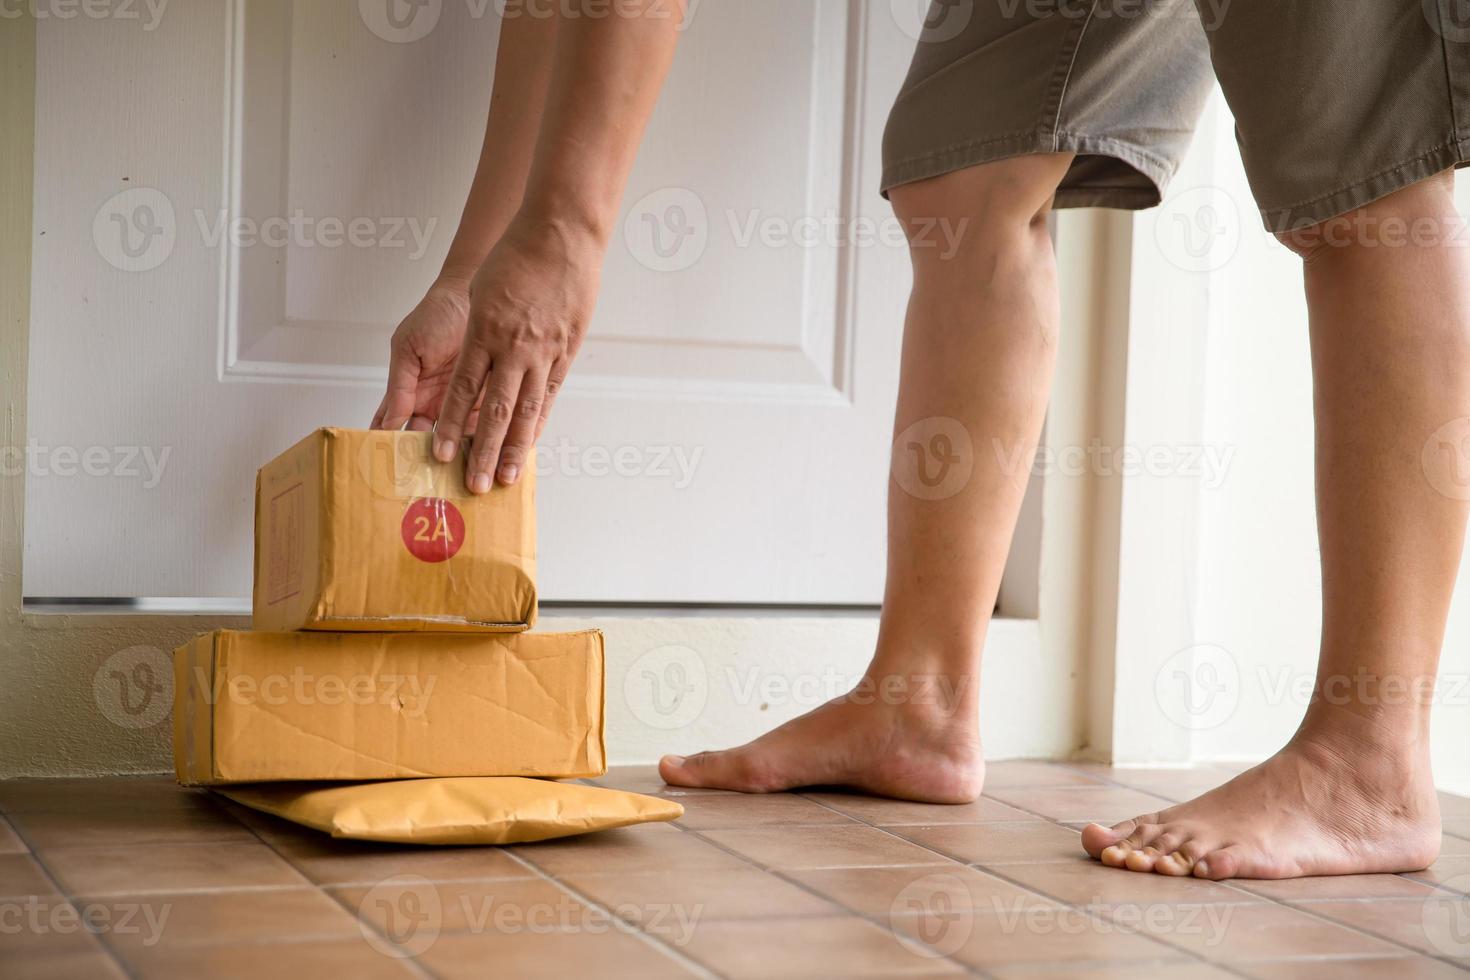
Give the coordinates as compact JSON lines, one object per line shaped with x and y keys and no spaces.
{"x":999,"y":205}
{"x":1420,"y":215}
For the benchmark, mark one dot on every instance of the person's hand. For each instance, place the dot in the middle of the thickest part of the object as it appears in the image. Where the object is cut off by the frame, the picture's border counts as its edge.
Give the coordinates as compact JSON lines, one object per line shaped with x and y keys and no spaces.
{"x":424,"y":349}
{"x":530,"y":304}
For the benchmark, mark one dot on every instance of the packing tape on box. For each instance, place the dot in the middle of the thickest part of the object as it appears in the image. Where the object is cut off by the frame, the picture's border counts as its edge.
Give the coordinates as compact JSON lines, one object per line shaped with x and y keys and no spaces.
{"x":401,"y":466}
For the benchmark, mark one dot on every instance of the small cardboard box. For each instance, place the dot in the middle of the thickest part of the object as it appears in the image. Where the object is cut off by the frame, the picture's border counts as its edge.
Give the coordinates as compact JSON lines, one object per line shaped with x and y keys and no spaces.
{"x":367,"y":531}
{"x":254,"y":707}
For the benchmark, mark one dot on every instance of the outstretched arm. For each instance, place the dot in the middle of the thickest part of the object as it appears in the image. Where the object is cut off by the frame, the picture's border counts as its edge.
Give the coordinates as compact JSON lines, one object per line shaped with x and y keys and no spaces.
{"x":533,"y":296}
{"x":428,"y":341}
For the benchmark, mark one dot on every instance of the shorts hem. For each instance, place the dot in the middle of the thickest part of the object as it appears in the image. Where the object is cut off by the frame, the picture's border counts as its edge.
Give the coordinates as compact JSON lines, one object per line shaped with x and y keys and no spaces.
{"x":962,"y":156}
{"x":1446,"y":156}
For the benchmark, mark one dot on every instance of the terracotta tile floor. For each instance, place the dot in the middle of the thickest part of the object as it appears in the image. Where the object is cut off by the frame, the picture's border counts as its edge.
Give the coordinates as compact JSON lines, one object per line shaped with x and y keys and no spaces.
{"x":137,"y":877}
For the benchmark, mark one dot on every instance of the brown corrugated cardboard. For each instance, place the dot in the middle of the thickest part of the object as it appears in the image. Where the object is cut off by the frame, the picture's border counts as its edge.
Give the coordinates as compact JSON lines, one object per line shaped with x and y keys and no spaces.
{"x":455,"y":811}
{"x":256,"y":707}
{"x":367,"y":531}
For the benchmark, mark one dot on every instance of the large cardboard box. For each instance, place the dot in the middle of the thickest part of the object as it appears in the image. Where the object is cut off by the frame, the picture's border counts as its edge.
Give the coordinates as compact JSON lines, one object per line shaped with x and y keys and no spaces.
{"x":253,"y":707}
{"x":367,"y":531}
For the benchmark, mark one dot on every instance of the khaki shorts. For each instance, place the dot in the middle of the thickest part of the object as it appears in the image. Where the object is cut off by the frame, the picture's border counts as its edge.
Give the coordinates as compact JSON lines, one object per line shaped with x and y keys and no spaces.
{"x":1337,"y":102}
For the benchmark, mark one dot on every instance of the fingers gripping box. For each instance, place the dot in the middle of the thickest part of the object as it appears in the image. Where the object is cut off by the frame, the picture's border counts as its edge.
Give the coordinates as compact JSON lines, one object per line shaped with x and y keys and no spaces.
{"x":367,"y":531}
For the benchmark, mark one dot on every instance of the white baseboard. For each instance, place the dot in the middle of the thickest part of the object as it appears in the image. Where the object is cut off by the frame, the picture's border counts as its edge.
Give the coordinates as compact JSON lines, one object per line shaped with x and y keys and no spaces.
{"x":685,"y":683}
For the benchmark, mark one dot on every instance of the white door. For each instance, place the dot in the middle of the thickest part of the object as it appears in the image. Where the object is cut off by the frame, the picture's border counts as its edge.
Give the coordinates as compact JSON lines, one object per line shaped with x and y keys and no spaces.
{"x":237,"y":199}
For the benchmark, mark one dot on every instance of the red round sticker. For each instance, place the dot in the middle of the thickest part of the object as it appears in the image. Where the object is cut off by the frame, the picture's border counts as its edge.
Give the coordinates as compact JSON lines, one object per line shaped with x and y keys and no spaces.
{"x":433,"y":529}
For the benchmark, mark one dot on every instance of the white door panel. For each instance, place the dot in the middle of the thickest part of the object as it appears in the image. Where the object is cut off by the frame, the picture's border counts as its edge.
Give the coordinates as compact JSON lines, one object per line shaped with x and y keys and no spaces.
{"x":724,"y":435}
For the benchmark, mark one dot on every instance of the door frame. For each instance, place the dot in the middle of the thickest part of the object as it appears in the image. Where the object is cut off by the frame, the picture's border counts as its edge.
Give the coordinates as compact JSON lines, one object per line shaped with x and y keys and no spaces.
{"x":1049,"y":680}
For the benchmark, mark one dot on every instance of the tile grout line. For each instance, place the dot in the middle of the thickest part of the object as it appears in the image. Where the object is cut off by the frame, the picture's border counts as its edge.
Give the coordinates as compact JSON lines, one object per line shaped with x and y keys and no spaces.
{"x":872,"y":920}
{"x":1164,"y":947}
{"x":672,"y":952}
{"x":1417,"y":953}
{"x":101,"y":944}
{"x":1318,"y":916}
{"x":1265,"y":899}
{"x":1283,"y":903}
{"x":409,"y":962}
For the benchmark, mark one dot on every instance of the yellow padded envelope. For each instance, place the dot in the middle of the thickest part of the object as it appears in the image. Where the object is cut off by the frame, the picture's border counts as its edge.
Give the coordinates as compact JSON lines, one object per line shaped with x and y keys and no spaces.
{"x":457,"y":810}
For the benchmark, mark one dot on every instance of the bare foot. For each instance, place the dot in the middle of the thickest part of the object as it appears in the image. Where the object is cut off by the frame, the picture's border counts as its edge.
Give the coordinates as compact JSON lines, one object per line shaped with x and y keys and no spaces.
{"x":908,"y":751}
{"x":1334,"y":801}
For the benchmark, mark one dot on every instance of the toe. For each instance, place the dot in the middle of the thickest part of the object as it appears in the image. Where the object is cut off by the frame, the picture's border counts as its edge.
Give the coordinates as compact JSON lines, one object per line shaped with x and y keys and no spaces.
{"x":1116,"y":856}
{"x":1181,"y":860}
{"x":1220,"y":864}
{"x":1141,"y":847}
{"x":1096,"y":838}
{"x":730,"y":769}
{"x":1142,"y":860}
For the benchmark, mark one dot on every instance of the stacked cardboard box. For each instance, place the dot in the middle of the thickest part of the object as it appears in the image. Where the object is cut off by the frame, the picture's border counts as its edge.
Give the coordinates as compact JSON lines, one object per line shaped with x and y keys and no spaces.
{"x":390,"y":612}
